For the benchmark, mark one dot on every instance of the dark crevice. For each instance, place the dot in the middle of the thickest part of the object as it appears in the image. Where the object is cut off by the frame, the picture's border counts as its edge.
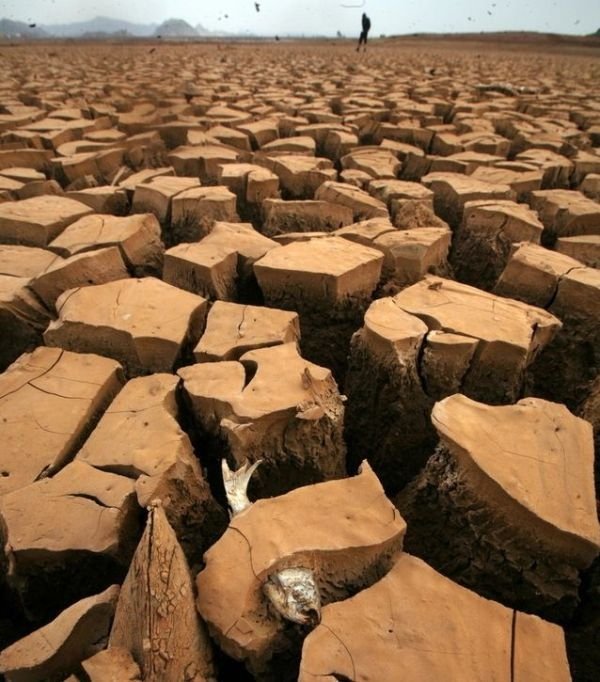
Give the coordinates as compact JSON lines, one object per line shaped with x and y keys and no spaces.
{"x":513,"y":645}
{"x":420,"y":361}
{"x":250,"y":369}
{"x":204,"y":446}
{"x":552,"y":298}
{"x":91,"y":498}
{"x":229,"y":669}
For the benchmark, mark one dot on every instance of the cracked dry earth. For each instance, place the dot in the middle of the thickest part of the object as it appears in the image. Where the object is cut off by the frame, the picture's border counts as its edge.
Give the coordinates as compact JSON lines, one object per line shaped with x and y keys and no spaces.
{"x":377,"y":274}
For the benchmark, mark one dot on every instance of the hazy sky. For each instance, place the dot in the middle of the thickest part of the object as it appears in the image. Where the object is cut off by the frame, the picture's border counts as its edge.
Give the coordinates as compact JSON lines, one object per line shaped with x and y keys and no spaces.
{"x":326,"y":16}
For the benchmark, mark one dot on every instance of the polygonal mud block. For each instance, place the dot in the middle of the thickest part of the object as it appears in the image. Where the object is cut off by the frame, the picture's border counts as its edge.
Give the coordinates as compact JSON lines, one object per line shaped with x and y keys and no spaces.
{"x":408,"y":132}
{"x":566,"y":368}
{"x":202,"y":161}
{"x":282,"y":217}
{"x":319,"y":131}
{"x":229,"y":137}
{"x":415,"y":624}
{"x":410,"y":254}
{"x":299,"y":176}
{"x":23,"y":175}
{"x":271,"y":405}
{"x":366,"y":232}
{"x":329,"y":282}
{"x":585,"y":248}
{"x":24,"y":261}
{"x":363,"y":205}
{"x":521,"y":182}
{"x":156,"y":195}
{"x":482,"y":242}
{"x":38,"y":159}
{"x":37,"y":221}
{"x":156,"y":618}
{"x":105,"y":199}
{"x":9,"y":189}
{"x":465,"y":163}
{"x":47,"y":411}
{"x":147,"y":324}
{"x":506,"y":505}
{"x":590,"y":186}
{"x":194,"y":212}
{"x":378,"y":163}
{"x":453,"y":190}
{"x":208,"y":269}
{"x":511,"y":333}
{"x":300,"y":144}
{"x":137,"y":236}
{"x":395,"y":193}
{"x":233,"y":329}
{"x":485,"y":142}
{"x":139,"y":436}
{"x":387,"y":408}
{"x":251,"y":184}
{"x":557,"y":169}
{"x":414,"y":213}
{"x":356,"y":178}
{"x":175,"y":133}
{"x":532,"y":274}
{"x":565,"y":213}
{"x":260,"y":132}
{"x":130,"y":182}
{"x":348,"y":535}
{"x":431,"y":340}
{"x":69,"y":169}
{"x":40,"y":188}
{"x":82,"y":269}
{"x":446,"y":143}
{"x":57,"y":649}
{"x":225,"y":115}
{"x":585,"y":162}
{"x":250,"y":246}
{"x":338,"y":143}
{"x":67,"y":537}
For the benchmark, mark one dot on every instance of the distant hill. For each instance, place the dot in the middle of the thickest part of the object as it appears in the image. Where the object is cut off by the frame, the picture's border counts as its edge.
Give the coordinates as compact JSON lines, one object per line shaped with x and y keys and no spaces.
{"x":176,"y":28}
{"x":523,"y":37}
{"x":201,"y":31}
{"x":99,"y":26}
{"x":19,"y":29}
{"x":106,"y":28}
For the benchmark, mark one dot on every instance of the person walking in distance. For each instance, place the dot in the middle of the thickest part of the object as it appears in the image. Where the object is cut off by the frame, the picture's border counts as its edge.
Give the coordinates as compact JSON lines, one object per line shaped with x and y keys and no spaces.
{"x":366,"y":27}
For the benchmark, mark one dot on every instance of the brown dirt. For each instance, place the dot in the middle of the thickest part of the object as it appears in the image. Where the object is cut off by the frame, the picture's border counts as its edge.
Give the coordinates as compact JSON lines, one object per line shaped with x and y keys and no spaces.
{"x":439,"y":162}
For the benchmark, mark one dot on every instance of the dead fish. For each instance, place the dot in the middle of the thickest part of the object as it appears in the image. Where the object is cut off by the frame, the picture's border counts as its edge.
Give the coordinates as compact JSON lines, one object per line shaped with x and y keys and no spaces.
{"x":295,"y":595}
{"x":236,"y":485}
{"x":293,"y":592}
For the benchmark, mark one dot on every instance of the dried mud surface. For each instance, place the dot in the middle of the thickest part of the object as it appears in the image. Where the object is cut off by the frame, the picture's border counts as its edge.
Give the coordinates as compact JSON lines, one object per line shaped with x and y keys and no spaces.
{"x":292,"y":252}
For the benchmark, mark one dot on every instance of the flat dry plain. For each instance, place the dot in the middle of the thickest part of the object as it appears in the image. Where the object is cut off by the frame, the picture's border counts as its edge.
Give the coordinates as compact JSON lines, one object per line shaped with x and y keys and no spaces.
{"x":377,"y":273}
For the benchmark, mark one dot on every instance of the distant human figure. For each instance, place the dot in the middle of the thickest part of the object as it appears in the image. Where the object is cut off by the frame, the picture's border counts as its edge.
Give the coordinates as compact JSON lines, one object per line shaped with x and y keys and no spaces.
{"x":366,"y":27}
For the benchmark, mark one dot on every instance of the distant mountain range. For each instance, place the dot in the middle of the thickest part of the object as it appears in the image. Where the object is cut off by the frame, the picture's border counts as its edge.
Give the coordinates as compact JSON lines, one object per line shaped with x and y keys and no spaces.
{"x":107,"y":27}
{"x":104,"y":27}
{"x":19,"y":29}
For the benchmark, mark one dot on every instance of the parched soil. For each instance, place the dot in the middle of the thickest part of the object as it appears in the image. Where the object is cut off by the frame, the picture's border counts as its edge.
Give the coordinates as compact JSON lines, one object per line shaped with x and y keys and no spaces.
{"x":375,"y":272}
